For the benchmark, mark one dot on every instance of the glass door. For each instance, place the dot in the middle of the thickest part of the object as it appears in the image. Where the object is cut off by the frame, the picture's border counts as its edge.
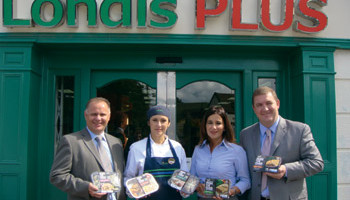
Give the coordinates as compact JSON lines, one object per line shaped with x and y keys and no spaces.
{"x":186,"y":94}
{"x":131,"y":94}
{"x":195,"y":93}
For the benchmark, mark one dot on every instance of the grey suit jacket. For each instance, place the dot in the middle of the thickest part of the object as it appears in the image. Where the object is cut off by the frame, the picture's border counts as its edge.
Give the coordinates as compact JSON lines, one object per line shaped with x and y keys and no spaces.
{"x":293,"y":142}
{"x":76,"y":158}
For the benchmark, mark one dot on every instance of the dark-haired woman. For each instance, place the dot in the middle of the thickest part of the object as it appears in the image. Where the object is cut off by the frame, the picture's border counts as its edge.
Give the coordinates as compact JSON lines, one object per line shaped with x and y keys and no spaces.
{"x":217,"y":155}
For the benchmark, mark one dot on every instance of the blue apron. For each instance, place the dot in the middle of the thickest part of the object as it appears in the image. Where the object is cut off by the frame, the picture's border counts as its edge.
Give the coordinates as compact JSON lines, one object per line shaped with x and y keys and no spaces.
{"x":162,"y":169}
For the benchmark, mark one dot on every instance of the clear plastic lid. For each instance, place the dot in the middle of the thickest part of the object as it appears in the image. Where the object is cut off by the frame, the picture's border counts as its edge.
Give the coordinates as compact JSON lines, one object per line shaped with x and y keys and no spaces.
{"x":217,"y":187}
{"x":107,"y":182}
{"x":141,"y":186}
{"x":222,"y":188}
{"x":267,"y":164}
{"x":183,"y":181}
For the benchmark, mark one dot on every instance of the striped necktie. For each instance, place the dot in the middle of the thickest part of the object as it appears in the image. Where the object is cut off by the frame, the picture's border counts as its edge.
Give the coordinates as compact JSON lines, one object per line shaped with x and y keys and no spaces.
{"x":106,"y":162}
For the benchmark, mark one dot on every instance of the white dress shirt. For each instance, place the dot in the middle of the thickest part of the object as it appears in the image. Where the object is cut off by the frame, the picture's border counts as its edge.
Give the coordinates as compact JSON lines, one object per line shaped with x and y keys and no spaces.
{"x":137,"y":156}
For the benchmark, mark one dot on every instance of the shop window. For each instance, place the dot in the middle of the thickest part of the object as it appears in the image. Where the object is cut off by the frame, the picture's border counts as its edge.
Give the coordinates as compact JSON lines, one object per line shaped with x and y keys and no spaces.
{"x":64,"y":107}
{"x":191,"y":103}
{"x":269,"y":82}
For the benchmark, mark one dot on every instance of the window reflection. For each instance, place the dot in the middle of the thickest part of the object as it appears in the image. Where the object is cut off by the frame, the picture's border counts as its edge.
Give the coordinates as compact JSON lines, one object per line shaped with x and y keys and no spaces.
{"x":269,"y":82}
{"x":191,"y":103}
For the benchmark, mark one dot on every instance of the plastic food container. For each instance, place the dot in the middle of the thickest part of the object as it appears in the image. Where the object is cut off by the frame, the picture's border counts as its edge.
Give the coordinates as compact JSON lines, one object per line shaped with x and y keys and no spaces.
{"x":209,"y":187}
{"x":141,"y":186}
{"x":222,"y":188}
{"x":183,"y":181}
{"x":267,"y":164}
{"x":107,"y":182}
{"x":217,"y":187}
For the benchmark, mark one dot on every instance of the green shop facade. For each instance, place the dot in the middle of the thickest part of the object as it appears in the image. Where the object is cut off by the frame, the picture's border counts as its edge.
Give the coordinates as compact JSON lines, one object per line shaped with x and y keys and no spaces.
{"x":46,"y":78}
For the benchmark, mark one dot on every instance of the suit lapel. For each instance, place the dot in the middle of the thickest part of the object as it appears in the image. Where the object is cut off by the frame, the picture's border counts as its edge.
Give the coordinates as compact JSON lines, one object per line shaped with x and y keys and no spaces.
{"x":112,"y":152}
{"x":256,"y":140}
{"x":91,"y":146}
{"x":279,"y":135}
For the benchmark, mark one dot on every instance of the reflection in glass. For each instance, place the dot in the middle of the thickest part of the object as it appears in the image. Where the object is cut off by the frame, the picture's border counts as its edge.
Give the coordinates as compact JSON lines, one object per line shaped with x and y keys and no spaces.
{"x":269,"y":82}
{"x":64,"y":107}
{"x":130,"y":100}
{"x":191,"y":103}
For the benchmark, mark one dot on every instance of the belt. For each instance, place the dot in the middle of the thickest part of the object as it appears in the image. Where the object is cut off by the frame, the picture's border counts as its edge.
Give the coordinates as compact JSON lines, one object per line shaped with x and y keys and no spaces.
{"x":264,"y":198}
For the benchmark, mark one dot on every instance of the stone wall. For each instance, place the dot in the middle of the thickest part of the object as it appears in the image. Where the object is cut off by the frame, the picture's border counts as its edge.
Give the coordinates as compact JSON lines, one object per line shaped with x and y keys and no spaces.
{"x":342,"y":87}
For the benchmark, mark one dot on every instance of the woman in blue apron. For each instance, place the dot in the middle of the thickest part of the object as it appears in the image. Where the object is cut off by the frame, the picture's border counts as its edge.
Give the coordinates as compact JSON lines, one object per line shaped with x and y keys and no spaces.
{"x":157,"y":155}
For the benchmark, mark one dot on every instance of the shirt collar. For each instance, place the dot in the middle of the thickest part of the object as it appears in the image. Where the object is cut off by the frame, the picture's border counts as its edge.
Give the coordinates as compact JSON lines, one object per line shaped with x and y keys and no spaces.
{"x":273,"y":128}
{"x":93,"y":135}
{"x":165,"y":141}
{"x":223,"y":143}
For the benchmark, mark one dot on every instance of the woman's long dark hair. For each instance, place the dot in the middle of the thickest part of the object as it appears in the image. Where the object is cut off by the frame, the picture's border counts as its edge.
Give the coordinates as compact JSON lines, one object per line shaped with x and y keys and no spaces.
{"x":228,"y":133}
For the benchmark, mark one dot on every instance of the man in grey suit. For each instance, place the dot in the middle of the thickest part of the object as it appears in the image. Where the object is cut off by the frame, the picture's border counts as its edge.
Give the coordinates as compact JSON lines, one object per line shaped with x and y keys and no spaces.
{"x":290,"y":140}
{"x":77,"y":155}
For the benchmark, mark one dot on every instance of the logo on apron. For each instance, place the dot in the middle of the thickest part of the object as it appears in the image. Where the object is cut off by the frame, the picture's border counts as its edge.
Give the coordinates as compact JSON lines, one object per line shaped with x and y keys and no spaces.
{"x":171,"y":161}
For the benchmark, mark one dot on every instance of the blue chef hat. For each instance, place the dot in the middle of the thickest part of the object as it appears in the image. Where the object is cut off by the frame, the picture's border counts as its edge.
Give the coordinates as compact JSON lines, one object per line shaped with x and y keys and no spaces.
{"x":158,"y":110}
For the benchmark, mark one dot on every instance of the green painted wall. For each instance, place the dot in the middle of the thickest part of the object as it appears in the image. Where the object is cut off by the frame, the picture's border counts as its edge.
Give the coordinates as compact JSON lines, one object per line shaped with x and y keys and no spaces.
{"x":313,"y":96}
{"x":19,"y":114}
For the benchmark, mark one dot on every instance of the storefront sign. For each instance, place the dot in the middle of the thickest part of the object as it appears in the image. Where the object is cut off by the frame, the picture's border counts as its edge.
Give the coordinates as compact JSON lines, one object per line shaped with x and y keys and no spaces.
{"x":302,"y":8}
{"x":166,"y":16}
